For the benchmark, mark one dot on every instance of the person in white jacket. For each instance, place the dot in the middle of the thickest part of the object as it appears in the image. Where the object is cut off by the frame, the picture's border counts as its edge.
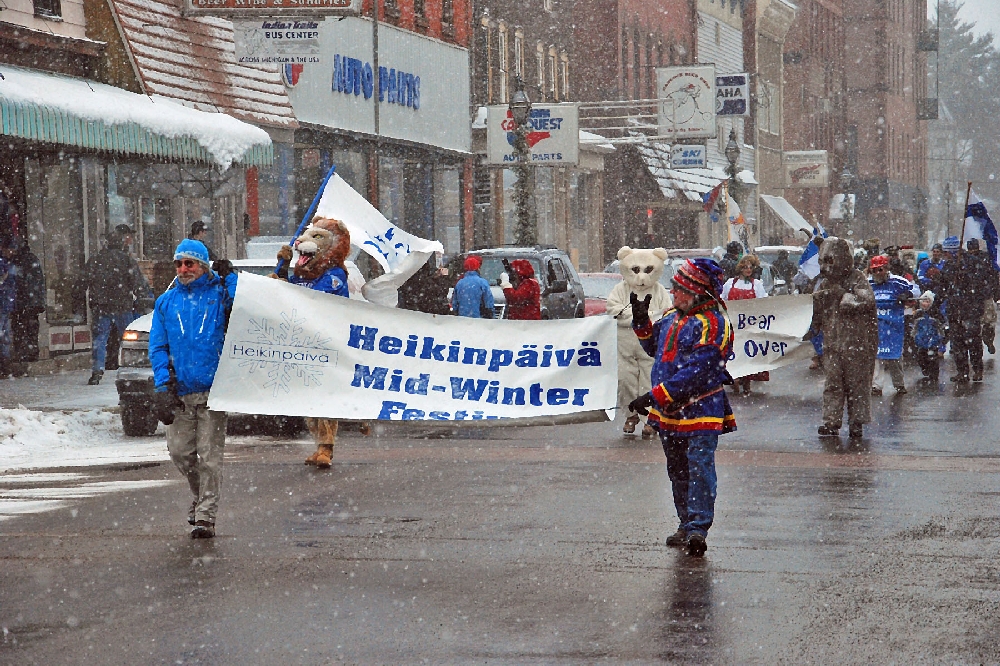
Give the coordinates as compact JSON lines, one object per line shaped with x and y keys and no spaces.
{"x":641,"y":271}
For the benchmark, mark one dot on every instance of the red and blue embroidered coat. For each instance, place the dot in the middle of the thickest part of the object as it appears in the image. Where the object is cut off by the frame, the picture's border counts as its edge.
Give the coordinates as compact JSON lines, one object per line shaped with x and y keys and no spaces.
{"x":689,"y":353}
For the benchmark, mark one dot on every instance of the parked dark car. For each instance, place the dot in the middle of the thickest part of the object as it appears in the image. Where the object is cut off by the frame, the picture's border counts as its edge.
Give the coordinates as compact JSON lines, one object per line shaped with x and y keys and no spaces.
{"x":561,"y":290}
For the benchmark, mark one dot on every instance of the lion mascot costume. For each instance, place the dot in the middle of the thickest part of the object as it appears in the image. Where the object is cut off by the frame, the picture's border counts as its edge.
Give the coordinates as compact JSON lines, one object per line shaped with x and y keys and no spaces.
{"x":323,"y":248}
{"x":641,"y":271}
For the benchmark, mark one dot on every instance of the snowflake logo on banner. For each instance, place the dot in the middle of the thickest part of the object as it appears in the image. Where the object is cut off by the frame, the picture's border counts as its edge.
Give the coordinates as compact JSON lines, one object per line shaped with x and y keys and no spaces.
{"x":290,"y":351}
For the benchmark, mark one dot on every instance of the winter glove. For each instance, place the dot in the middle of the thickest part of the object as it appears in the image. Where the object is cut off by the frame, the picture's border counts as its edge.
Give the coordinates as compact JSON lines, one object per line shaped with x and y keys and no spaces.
{"x":640,"y":310}
{"x":165,"y":405}
{"x":223,"y":267}
{"x":644,"y":401}
{"x":285,"y":253}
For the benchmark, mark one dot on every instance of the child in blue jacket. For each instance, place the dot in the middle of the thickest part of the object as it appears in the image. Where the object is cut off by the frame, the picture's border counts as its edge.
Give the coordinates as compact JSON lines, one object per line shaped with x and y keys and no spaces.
{"x":929,"y":338}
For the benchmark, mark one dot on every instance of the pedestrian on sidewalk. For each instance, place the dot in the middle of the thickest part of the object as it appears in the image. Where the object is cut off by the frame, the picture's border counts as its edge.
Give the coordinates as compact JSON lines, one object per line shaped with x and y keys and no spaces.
{"x":687,"y":404}
{"x":745,"y":286}
{"x":199,"y":232}
{"x":891,"y":294}
{"x":114,"y":284}
{"x":967,"y":282}
{"x":29,"y":302}
{"x":929,"y":338}
{"x":844,"y":310}
{"x":523,"y":295}
{"x":472,"y":296}
{"x":8,"y":301}
{"x":185,"y":344}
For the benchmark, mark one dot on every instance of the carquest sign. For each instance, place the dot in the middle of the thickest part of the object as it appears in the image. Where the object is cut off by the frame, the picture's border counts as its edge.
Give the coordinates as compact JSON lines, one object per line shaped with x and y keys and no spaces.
{"x":553,"y":135}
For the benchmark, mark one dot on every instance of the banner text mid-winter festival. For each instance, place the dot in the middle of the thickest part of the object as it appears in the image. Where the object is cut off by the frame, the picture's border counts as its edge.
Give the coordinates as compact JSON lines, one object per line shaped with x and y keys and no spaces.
{"x":298,"y":352}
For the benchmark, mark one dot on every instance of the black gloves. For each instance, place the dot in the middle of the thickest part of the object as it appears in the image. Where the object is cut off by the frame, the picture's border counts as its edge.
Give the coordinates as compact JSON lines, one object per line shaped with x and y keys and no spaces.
{"x":223,"y":267}
{"x":165,"y":404}
{"x":640,"y":310}
{"x":644,"y":401}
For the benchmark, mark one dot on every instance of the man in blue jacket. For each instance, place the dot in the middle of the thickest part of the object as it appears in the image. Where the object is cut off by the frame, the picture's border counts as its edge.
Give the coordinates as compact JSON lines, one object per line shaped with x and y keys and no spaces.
{"x":185,"y":344}
{"x":472,"y":296}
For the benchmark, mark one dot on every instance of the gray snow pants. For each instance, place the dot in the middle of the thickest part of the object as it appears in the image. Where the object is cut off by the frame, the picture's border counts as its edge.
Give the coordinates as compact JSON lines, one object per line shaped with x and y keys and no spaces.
{"x":196,"y":440}
{"x":848,"y":379}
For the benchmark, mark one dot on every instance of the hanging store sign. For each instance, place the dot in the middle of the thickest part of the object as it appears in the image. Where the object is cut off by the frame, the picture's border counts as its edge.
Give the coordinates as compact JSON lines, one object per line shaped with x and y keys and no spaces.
{"x":732,"y":95}
{"x":553,"y":138}
{"x":686,"y":101}
{"x":277,"y":41}
{"x":806,"y":168}
{"x":272,"y":8}
{"x":687,"y":156}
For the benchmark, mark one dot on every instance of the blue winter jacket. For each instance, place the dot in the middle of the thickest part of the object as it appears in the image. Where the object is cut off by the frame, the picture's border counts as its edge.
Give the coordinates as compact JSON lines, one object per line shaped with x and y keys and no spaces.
{"x":470,"y":293}
{"x":928,"y":331}
{"x":188,"y":330}
{"x":333,"y":281}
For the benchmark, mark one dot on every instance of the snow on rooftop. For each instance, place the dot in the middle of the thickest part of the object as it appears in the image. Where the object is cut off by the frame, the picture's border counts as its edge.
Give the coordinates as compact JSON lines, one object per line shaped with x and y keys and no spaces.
{"x":691,"y":183}
{"x":225,"y":138}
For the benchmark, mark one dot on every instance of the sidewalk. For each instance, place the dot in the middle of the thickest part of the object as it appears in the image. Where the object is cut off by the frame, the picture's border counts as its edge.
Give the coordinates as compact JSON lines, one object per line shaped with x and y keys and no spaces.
{"x":64,"y":391}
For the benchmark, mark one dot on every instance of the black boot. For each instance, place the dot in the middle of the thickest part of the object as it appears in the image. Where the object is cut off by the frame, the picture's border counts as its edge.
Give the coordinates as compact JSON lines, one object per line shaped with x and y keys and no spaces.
{"x":95,"y":378}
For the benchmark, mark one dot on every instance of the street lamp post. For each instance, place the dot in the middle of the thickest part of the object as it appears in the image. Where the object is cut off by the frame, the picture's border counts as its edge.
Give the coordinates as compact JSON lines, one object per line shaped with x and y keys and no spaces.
{"x":733,"y":156}
{"x":525,"y":231}
{"x":947,"y":207}
{"x":846,"y":205}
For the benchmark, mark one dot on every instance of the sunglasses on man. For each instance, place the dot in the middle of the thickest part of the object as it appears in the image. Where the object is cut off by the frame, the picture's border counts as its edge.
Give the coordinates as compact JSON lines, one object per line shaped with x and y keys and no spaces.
{"x":186,"y":263}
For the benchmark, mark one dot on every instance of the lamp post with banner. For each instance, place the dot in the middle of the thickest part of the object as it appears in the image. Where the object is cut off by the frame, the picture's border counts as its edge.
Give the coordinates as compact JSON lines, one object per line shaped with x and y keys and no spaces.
{"x":525,"y":231}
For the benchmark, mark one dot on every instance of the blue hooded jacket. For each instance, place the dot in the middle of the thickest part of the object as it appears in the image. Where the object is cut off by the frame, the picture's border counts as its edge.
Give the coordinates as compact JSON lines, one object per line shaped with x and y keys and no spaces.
{"x":188,"y":329}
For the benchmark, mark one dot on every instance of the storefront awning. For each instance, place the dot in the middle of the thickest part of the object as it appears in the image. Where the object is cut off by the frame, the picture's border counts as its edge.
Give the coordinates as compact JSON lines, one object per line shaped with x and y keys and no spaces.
{"x":788,"y":215}
{"x":40,"y":106}
{"x":681,"y":184}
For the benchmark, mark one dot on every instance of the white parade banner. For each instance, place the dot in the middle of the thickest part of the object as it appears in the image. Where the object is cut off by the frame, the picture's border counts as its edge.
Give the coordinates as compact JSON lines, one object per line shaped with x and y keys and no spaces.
{"x":299,"y":352}
{"x":768,"y":333}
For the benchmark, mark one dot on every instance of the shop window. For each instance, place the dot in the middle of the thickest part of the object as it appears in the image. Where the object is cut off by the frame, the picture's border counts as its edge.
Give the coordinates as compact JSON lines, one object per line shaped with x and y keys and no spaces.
{"x":48,"y":8}
{"x":448,"y":209}
{"x":154,"y":236}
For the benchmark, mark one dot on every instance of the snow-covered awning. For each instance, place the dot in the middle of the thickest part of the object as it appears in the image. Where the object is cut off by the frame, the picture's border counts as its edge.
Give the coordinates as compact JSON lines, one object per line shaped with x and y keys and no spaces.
{"x":60,"y":109}
{"x":691,"y":184}
{"x":787,"y":213}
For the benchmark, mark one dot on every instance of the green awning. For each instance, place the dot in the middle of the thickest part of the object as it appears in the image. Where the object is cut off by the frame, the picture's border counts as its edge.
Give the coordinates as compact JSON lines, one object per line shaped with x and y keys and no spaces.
{"x":40,"y":106}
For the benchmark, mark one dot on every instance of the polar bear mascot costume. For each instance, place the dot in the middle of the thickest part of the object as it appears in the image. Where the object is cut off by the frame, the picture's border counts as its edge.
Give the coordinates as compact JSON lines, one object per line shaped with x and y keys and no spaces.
{"x":641,"y":270}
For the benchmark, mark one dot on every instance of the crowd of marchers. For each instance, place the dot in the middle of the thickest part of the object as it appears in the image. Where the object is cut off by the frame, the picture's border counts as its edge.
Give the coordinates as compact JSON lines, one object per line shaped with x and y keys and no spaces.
{"x":872,"y":309}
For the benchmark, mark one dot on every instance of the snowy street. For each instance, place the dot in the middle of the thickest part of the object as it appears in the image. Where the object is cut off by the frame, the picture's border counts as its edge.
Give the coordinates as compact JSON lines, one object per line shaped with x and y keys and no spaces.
{"x":514,"y":545}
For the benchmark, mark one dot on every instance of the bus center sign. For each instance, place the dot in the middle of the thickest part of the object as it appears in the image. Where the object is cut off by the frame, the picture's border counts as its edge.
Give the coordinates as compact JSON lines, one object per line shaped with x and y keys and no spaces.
{"x":553,"y":135}
{"x":272,"y":8}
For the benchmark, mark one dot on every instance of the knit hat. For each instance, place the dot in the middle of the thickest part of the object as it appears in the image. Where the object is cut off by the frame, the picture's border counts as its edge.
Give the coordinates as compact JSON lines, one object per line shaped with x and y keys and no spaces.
{"x":472,"y":263}
{"x":927,"y":296}
{"x":951,"y":244}
{"x":879,"y":261}
{"x":191,"y":249}
{"x":523,"y":268}
{"x":700,"y":277}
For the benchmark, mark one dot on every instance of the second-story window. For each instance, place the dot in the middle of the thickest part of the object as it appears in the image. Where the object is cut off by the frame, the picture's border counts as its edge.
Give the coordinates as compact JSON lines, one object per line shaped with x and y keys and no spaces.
{"x":503,"y":64}
{"x":564,"y":75}
{"x":540,"y":69}
{"x":448,"y":12}
{"x":48,"y":8}
{"x":553,"y":75}
{"x":419,"y":9}
{"x":519,"y":53}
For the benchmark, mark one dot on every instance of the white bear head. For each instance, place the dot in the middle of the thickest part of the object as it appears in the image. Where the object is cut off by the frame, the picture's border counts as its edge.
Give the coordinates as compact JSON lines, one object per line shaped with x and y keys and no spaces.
{"x":641,"y":269}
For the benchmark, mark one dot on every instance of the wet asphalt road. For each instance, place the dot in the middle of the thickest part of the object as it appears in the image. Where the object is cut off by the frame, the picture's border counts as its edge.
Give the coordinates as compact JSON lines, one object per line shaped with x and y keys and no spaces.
{"x":538,"y":545}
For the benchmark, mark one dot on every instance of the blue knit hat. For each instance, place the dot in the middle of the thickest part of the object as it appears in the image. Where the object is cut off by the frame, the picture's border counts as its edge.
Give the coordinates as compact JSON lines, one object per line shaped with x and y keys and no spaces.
{"x":951,"y":244}
{"x":192,"y":249}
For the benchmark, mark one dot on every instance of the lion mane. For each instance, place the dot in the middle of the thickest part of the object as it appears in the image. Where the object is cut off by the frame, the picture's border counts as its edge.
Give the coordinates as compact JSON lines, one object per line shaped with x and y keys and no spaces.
{"x":325,"y":244}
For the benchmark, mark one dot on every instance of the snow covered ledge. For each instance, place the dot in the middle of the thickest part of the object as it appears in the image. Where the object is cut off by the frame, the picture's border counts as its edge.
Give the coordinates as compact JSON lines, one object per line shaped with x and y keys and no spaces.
{"x":54,"y":108}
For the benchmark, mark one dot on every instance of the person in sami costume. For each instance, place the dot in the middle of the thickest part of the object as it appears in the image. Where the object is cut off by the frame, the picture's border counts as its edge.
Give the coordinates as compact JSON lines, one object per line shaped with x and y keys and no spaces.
{"x":687,"y":404}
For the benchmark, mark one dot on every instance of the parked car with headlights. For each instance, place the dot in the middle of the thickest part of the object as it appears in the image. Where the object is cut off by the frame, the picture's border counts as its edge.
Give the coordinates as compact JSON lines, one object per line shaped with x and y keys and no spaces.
{"x":596,"y":288}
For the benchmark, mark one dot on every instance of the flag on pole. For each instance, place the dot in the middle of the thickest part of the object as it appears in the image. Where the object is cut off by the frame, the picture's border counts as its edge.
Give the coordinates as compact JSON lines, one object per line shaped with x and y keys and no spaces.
{"x":809,"y":261}
{"x":399,"y":253}
{"x":737,"y":223}
{"x":979,"y":225}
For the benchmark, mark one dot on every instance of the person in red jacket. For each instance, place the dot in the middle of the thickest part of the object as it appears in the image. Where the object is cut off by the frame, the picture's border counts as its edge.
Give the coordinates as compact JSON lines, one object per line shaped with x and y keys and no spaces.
{"x":524,"y":295}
